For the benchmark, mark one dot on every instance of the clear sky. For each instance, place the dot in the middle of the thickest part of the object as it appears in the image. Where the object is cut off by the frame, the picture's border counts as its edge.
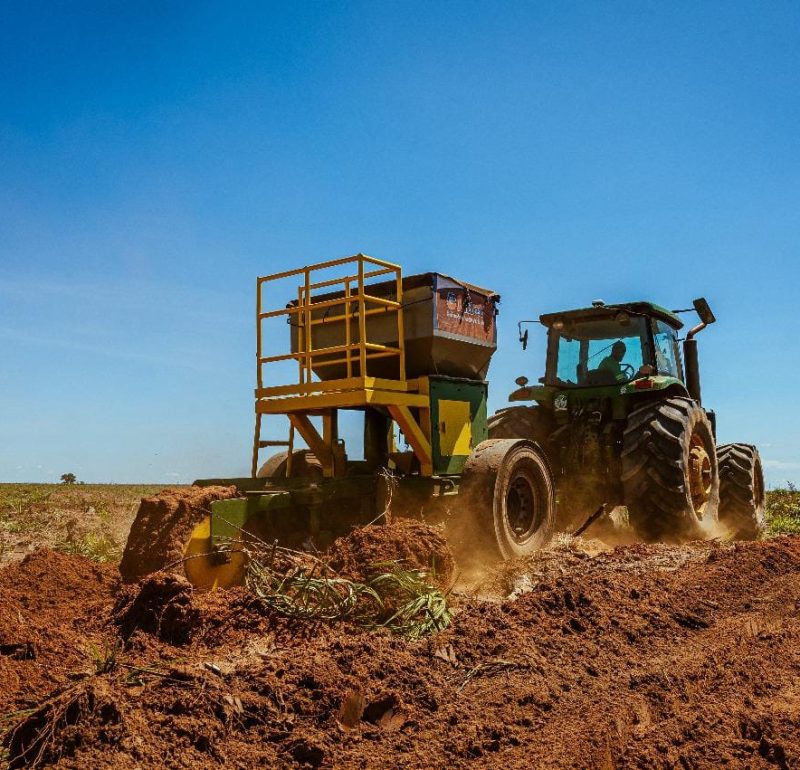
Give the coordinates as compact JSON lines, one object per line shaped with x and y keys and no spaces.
{"x":156,"y":157}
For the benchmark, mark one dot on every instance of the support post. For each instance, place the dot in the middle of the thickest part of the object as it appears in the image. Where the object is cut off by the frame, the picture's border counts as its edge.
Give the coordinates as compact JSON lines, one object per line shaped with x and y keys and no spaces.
{"x":315,"y":442}
{"x":415,"y":435}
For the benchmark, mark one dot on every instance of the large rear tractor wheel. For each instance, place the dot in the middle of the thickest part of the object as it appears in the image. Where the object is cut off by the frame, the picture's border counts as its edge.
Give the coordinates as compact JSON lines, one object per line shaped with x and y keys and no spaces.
{"x":669,"y":471}
{"x":519,"y":422}
{"x":508,"y":499}
{"x":741,"y":490}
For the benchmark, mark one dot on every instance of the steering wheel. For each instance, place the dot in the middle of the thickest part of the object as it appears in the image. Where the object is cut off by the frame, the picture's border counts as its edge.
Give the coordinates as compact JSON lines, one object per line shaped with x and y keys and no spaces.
{"x":627,"y":370}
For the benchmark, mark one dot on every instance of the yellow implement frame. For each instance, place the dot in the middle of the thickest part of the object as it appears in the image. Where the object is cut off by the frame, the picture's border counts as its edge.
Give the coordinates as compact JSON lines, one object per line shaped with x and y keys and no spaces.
{"x":346,"y":299}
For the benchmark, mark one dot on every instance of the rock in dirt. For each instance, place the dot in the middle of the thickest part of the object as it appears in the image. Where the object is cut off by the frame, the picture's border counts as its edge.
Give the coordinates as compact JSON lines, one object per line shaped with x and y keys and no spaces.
{"x":412,"y":543}
{"x":162,"y":528}
{"x":161,"y":604}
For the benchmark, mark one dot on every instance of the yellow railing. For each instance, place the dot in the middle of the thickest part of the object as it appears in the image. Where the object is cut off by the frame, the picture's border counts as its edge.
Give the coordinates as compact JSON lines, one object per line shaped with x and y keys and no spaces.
{"x":351,"y":306}
{"x":356,"y":305}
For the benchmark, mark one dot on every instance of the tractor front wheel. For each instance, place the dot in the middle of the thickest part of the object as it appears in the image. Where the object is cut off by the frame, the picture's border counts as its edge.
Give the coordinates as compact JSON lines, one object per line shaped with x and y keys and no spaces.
{"x":508,"y":499}
{"x":669,"y":470}
{"x":741,"y":490}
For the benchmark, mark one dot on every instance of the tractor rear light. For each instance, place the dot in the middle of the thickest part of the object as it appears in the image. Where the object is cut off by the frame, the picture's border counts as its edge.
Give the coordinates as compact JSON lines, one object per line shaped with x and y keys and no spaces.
{"x":644,"y":384}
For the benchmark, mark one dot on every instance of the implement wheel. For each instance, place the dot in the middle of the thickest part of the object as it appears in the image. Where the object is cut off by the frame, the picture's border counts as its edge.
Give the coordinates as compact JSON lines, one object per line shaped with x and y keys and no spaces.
{"x":509,"y":498}
{"x":741,"y":490}
{"x":304,"y":465}
{"x":669,"y":471}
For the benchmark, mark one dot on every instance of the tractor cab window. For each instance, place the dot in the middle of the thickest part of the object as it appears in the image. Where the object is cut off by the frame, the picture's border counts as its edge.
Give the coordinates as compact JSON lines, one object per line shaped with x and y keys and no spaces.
{"x":600,"y":351}
{"x":665,"y":339}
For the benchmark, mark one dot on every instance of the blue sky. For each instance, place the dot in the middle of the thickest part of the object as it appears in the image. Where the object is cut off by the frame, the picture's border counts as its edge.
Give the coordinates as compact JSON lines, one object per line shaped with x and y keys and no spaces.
{"x":156,"y":157}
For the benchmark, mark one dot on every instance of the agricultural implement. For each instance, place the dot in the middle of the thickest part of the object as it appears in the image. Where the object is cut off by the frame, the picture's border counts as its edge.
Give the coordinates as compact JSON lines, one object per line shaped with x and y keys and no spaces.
{"x":409,"y":354}
{"x":616,"y":420}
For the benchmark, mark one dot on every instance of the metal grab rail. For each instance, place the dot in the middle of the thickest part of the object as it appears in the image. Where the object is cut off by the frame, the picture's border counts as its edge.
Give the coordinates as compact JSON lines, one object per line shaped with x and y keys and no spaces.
{"x":357,"y":353}
{"x":346,"y":347}
{"x":355,"y":305}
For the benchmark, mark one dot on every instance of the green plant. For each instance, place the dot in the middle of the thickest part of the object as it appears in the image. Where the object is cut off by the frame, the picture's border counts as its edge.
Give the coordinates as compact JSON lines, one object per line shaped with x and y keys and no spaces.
{"x":302,"y":586}
{"x":106,"y":660}
{"x":301,"y":593}
{"x":22,"y":502}
{"x":783,"y":511}
{"x":420,"y":608}
{"x":97,"y":546}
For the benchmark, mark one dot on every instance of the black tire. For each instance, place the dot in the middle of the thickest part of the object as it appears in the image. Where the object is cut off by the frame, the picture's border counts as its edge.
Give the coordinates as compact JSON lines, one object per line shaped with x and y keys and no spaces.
{"x":518,"y":422}
{"x":304,"y":465}
{"x":508,"y":493}
{"x":742,"y":496}
{"x":669,"y":471}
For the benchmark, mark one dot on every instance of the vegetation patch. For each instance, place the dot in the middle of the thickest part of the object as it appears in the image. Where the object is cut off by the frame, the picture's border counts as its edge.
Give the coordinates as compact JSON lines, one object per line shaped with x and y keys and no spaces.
{"x":90,"y":520}
{"x":399,"y":598}
{"x":783,"y":511}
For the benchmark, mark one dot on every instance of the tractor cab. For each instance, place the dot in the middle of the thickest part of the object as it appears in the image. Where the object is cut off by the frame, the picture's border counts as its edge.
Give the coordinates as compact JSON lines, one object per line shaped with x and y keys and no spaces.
{"x":611,"y":344}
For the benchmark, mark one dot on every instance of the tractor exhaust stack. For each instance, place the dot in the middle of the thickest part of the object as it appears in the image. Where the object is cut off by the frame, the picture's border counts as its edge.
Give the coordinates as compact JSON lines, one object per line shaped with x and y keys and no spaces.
{"x":690,"y":357}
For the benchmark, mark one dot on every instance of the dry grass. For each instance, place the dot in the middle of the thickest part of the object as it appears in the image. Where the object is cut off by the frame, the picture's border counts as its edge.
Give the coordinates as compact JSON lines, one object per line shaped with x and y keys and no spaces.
{"x":88,"y":519}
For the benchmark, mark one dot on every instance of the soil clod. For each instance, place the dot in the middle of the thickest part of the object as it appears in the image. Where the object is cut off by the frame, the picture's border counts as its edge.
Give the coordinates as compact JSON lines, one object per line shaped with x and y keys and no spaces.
{"x":413,"y":544}
{"x":163,"y":526}
{"x":161,"y":604}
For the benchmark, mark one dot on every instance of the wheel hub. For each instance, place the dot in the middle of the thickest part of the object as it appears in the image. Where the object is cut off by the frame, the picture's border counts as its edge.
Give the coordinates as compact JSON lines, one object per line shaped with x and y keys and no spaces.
{"x":700,"y":474}
{"x":521,"y":509}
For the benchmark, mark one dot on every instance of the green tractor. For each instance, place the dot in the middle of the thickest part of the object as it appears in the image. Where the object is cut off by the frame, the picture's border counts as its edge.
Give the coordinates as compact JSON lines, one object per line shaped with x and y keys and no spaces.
{"x":619,"y":416}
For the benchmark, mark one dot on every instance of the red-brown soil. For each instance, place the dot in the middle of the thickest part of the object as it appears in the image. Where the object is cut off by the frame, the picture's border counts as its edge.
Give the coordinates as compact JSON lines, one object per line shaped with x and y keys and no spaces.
{"x":641,"y":657}
{"x":411,"y":543}
{"x":52,"y":612}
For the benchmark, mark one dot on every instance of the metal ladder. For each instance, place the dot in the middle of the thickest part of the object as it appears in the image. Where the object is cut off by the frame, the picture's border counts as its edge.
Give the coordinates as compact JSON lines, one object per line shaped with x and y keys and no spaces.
{"x":258,"y":444}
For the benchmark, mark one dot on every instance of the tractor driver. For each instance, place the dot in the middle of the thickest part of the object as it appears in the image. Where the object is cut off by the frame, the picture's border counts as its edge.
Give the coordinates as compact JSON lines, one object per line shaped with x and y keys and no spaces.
{"x":619,"y":371}
{"x":612,"y":363}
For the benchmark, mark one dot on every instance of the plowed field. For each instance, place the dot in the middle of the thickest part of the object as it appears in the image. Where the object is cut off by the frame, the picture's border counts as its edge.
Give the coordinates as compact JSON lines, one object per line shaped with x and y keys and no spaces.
{"x":638,"y":657}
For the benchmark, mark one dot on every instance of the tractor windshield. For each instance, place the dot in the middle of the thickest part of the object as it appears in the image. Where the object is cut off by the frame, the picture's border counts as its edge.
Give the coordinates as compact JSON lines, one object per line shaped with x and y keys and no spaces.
{"x":666,"y":348}
{"x":600,"y":351}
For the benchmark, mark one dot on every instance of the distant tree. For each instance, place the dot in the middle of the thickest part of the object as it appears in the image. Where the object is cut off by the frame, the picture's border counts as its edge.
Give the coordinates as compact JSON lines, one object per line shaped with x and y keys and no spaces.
{"x":68,"y":478}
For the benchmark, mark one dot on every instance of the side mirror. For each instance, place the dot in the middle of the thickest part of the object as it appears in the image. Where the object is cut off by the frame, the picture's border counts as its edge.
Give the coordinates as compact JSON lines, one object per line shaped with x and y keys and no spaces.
{"x":704,"y":311}
{"x":524,"y":339}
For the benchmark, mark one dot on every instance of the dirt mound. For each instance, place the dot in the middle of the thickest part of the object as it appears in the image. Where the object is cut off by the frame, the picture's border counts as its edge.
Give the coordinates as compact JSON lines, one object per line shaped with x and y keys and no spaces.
{"x":572,"y":555}
{"x":412,"y":543}
{"x":17,"y":638}
{"x":162,"y":528}
{"x":640,"y":657}
{"x":161,"y":604}
{"x":84,"y":713}
{"x":53,"y":608}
